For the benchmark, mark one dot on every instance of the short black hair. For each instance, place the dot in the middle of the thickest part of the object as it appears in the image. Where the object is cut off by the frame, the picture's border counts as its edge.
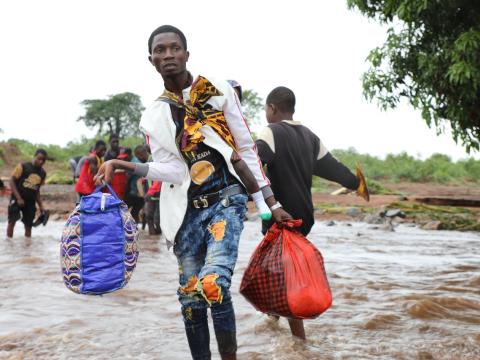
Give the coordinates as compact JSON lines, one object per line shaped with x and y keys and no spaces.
{"x":41,"y":151}
{"x":140,"y":148}
{"x":99,"y":143}
{"x":166,"y":29}
{"x":126,"y":150}
{"x":283,"y":98}
{"x":113,"y":137}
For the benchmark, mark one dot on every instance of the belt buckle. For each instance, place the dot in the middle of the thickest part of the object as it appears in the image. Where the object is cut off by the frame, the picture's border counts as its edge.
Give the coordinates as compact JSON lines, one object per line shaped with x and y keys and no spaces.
{"x":201,"y":201}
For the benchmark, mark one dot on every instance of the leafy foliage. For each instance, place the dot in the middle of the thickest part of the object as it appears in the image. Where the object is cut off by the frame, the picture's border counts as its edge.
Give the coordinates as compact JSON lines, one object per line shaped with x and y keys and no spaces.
{"x":376,"y":188}
{"x":252,"y":105}
{"x":325,"y":186}
{"x":59,"y":177}
{"x":431,"y":57}
{"x":55,"y":152}
{"x":57,"y":166}
{"x":58,"y":153}
{"x":119,"y":115}
{"x":25,"y":147}
{"x":437,"y":168}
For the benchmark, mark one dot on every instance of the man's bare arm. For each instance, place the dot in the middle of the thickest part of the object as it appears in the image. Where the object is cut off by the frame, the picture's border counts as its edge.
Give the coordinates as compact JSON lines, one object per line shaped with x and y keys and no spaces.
{"x":105,"y":172}
{"x":92,"y":162}
{"x":15,"y":192}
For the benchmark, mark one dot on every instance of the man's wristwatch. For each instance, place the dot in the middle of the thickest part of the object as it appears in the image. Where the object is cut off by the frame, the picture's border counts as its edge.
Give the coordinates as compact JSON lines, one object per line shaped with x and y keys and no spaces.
{"x":275,"y":206}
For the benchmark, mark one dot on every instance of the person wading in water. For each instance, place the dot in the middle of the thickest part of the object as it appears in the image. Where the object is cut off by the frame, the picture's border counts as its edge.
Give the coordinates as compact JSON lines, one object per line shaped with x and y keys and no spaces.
{"x":192,"y":129}
{"x":26,"y":180}
{"x":292,"y":154}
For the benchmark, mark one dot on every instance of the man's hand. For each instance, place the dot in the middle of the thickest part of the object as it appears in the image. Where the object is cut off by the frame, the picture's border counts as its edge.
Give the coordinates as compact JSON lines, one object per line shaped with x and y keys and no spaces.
{"x":20,"y":201}
{"x":105,"y":172}
{"x":279,"y":216}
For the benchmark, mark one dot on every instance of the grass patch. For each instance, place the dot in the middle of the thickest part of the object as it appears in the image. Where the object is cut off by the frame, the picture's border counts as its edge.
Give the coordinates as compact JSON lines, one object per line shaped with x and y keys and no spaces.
{"x":452,"y":217}
{"x":376,"y":188}
{"x":59,"y":177}
{"x":320,"y":185}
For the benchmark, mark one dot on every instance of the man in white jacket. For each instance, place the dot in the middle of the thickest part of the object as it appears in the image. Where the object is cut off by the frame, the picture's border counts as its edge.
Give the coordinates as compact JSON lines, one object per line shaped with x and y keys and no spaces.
{"x":191,"y":130}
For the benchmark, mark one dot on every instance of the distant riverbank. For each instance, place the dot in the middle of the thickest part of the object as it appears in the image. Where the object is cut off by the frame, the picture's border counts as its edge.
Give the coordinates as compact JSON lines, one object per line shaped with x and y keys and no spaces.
{"x":407,"y":200}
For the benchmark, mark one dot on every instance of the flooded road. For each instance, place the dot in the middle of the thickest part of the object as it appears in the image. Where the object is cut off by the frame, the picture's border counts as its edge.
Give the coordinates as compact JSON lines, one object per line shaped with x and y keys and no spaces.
{"x":408,"y":294}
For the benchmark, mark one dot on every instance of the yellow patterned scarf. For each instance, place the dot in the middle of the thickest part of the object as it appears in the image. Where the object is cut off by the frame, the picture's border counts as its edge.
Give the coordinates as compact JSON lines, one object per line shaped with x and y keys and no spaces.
{"x":198,"y":114}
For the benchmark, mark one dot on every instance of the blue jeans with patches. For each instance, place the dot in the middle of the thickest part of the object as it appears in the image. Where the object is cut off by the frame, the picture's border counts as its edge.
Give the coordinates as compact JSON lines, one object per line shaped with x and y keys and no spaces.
{"x":206,"y":247}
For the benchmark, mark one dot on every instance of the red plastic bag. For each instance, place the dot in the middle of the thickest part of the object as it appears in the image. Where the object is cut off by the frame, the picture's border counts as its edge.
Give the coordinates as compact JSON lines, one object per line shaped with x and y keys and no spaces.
{"x":286,"y":276}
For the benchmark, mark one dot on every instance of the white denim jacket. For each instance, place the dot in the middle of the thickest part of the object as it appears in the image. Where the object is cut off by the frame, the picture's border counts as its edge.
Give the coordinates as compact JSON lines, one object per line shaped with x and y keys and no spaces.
{"x":168,"y":164}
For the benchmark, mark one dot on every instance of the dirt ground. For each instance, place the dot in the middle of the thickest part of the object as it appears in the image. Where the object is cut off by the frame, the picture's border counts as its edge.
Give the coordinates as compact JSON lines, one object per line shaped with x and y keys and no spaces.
{"x":408,"y":193}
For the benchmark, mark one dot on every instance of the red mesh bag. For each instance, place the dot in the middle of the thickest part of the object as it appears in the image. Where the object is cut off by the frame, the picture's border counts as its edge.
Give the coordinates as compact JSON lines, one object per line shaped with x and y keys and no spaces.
{"x":286,"y":276}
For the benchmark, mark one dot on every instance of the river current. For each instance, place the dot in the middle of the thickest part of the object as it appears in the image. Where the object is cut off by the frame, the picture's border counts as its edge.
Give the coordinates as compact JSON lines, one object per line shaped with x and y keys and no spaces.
{"x":407,"y":294}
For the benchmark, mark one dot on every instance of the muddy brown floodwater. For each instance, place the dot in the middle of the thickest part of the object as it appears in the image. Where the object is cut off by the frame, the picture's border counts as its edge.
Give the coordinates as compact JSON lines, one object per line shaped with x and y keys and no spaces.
{"x":408,"y":294}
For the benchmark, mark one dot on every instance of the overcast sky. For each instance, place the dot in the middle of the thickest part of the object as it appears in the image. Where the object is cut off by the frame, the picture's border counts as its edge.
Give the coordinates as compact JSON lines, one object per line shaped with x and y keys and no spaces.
{"x":57,"y":53}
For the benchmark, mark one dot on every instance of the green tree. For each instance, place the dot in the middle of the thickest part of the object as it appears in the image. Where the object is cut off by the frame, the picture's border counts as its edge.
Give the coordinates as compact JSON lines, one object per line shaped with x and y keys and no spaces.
{"x":431,"y":57}
{"x":118,"y":115}
{"x":252,"y":105}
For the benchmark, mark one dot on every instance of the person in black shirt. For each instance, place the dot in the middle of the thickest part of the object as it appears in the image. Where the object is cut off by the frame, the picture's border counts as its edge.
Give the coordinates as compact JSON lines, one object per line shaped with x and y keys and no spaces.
{"x":114,"y":150}
{"x":25,"y":184}
{"x":292,"y":153}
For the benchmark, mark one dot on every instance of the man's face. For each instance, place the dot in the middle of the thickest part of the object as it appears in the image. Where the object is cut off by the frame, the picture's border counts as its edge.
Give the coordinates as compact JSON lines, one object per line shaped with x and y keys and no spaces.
{"x":168,"y":54}
{"x":100,"y":151}
{"x":142,"y":156}
{"x":114,"y":144}
{"x":39,"y":160}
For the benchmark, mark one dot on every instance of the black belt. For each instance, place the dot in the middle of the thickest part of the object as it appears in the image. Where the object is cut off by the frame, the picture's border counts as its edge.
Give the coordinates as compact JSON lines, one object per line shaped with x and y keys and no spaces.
{"x":206,"y":200}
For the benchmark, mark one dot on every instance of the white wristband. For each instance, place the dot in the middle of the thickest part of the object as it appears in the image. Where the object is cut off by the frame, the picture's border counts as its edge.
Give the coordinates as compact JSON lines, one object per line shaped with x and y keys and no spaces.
{"x":275,"y":206}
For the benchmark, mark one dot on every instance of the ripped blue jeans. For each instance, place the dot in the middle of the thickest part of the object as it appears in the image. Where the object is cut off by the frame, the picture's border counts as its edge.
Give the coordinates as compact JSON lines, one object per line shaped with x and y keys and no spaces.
{"x":206,"y":247}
